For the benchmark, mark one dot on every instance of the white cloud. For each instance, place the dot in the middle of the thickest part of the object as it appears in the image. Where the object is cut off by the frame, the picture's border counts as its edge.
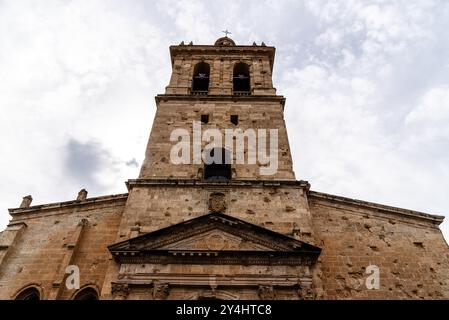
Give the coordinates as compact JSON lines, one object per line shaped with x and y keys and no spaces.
{"x":366,"y":85}
{"x":81,"y":71}
{"x":433,"y":111}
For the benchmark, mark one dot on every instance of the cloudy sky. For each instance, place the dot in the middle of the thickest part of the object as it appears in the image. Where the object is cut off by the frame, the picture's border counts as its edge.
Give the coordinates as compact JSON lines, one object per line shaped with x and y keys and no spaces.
{"x":367,"y":87}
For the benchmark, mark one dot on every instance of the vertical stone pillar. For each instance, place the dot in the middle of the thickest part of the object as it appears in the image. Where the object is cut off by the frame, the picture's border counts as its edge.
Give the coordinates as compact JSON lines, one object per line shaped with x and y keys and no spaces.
{"x":72,"y":248}
{"x":8,"y":239}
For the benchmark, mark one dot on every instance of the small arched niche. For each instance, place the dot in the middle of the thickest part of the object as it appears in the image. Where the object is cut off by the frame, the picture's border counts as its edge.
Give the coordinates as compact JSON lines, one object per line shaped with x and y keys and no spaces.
{"x":217,"y":164}
{"x":30,"y":293}
{"x":88,"y":293}
{"x":241,"y":79}
{"x":200,"y":81}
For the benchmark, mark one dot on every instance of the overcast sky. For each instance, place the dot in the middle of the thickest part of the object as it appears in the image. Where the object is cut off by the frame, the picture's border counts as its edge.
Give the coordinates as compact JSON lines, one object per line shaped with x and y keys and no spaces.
{"x":366,"y":82}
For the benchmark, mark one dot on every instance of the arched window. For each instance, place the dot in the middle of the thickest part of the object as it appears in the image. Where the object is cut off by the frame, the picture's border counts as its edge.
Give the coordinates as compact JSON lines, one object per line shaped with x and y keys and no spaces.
{"x":31,"y":293}
{"x":241,"y":83}
{"x":217,"y":165}
{"x":86,"y":294}
{"x":200,"y":83}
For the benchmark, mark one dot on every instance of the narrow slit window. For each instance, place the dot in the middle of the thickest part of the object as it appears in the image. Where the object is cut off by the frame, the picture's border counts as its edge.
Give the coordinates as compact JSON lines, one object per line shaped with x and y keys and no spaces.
{"x":205,"y":118}
{"x":234,"y":119}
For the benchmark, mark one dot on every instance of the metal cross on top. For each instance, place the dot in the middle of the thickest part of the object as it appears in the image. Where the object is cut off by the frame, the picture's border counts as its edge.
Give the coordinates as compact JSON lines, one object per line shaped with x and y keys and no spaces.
{"x":226,"y":32}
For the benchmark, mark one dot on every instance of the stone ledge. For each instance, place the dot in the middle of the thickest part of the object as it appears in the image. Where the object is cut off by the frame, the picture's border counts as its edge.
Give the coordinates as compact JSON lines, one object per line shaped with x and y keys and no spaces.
{"x":18,"y":225}
{"x":210,"y":97}
{"x":221,"y":50}
{"x":66,"y":204}
{"x":205,"y":279}
{"x":435,"y":219}
{"x":231,"y":183}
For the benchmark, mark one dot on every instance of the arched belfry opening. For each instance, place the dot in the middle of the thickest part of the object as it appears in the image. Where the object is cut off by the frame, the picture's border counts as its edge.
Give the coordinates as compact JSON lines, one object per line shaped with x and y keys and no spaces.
{"x":217,"y":164}
{"x":29,"y":294}
{"x":86,"y":294}
{"x":200,"y":82}
{"x":241,"y":79}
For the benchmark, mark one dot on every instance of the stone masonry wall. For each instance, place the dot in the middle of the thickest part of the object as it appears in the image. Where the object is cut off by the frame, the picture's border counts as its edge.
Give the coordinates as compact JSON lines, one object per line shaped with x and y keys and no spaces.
{"x":52,"y":239}
{"x":411,"y":253}
{"x":282,"y":209}
{"x":180,"y":114}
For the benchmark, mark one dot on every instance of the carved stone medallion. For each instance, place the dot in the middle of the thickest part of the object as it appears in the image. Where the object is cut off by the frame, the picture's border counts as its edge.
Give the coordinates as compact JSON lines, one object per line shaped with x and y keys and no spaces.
{"x":215,"y":241}
{"x":217,"y":202}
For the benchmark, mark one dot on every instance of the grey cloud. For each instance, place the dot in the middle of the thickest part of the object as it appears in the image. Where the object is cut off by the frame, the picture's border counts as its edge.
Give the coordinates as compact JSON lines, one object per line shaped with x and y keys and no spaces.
{"x":83,"y":161}
{"x":132,"y":163}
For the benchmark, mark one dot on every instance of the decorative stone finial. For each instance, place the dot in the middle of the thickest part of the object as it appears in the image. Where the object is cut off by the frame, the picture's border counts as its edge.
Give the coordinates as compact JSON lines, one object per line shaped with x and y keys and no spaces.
{"x":82,"y":195}
{"x":191,"y":43}
{"x":263,"y":44}
{"x":26,"y":202}
{"x":182,"y":43}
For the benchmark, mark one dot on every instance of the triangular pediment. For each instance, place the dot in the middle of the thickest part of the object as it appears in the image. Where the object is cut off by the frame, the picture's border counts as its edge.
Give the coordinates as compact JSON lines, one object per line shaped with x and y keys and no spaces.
{"x":213,"y":235}
{"x":216,"y":239}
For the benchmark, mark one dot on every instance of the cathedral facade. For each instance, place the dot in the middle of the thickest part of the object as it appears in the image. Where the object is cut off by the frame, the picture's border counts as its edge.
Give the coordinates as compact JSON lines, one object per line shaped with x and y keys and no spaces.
{"x":241,"y":228}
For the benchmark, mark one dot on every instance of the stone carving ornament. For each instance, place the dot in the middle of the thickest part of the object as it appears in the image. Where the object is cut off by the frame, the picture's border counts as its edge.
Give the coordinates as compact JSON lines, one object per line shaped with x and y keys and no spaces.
{"x":215,"y":241}
{"x":161,"y":291}
{"x":306,"y":293}
{"x":217,"y":202}
{"x":266,"y":293}
{"x":120,"y":291}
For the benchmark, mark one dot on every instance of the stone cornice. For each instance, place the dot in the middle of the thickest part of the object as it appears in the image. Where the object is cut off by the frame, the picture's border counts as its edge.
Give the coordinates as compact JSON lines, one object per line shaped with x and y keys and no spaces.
{"x":68,"y":204}
{"x":218,"y":257}
{"x":159,"y":181}
{"x":213,"y":97}
{"x":338,"y":200}
{"x":195,"y":279}
{"x":223,"y":50}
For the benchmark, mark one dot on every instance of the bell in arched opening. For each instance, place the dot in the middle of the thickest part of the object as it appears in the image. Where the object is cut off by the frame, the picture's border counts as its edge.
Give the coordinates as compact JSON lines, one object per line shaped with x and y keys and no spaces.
{"x":200,"y":81}
{"x":241,"y":79}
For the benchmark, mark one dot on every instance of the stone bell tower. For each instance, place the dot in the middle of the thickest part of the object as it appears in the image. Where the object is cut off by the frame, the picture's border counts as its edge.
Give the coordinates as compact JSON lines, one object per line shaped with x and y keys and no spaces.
{"x":223,"y":86}
{"x":223,"y":230}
